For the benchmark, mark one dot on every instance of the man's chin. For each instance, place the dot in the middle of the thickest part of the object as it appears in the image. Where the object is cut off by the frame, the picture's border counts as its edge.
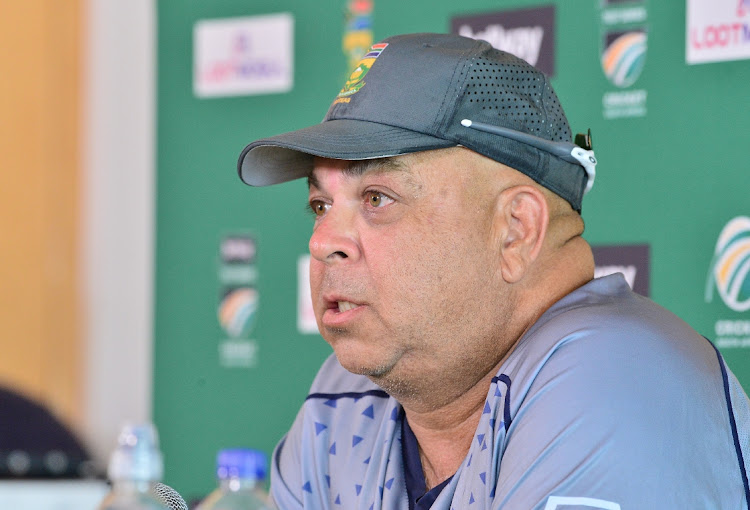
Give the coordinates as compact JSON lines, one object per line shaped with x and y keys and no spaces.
{"x":361,"y":363}
{"x":357,"y":366}
{"x":383,"y":374}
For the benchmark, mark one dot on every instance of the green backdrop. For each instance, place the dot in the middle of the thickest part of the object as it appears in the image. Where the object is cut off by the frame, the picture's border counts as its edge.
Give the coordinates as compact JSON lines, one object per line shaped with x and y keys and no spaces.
{"x":670,"y":179}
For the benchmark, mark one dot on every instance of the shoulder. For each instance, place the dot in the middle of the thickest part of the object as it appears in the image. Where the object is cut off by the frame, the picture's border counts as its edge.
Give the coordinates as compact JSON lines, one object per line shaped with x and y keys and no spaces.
{"x":609,"y":383}
{"x":605,"y":327}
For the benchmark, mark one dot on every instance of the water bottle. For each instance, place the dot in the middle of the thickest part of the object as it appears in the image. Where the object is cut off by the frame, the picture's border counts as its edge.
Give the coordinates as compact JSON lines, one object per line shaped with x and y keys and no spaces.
{"x":136,"y":466}
{"x":241,"y":473}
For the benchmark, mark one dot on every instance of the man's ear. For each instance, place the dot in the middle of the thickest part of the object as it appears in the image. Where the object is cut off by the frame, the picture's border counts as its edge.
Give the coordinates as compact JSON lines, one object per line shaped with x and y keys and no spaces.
{"x":521,"y":220}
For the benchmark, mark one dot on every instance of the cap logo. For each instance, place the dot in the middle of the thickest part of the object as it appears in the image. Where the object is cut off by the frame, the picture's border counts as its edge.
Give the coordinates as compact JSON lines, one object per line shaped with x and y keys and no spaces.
{"x":356,"y":79}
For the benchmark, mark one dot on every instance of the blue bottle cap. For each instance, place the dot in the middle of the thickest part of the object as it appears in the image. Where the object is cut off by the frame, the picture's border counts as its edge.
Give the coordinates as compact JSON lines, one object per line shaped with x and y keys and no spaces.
{"x":242,"y":463}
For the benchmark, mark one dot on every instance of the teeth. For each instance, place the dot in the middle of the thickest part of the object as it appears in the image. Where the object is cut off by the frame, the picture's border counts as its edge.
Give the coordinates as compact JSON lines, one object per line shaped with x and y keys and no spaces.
{"x":345,"y":306}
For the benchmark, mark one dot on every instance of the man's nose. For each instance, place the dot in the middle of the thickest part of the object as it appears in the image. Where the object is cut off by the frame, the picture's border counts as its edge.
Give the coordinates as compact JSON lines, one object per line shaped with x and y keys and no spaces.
{"x":335,"y":237}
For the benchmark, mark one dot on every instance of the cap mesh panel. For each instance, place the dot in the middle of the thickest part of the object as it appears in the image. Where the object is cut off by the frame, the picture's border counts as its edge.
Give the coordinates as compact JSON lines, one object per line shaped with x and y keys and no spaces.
{"x":518,"y":95}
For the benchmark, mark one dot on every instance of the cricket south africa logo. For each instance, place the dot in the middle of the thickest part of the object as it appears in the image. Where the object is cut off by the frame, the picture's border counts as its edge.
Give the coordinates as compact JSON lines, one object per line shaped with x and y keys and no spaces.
{"x":624,"y":56}
{"x":237,"y":311}
{"x":356,"y":79}
{"x":730,"y":266}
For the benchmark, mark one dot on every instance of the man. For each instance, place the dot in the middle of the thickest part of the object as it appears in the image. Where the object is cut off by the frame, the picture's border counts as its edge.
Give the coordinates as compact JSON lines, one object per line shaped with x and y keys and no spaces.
{"x":477,"y":362}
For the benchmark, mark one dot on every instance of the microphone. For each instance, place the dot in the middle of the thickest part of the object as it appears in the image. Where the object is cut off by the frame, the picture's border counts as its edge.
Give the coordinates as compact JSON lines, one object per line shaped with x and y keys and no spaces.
{"x":169,"y":497}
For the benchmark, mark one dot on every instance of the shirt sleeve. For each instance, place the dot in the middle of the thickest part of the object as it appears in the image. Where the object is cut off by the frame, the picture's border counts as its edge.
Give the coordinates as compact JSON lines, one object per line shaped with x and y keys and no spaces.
{"x":286,"y":475}
{"x":619,"y":428}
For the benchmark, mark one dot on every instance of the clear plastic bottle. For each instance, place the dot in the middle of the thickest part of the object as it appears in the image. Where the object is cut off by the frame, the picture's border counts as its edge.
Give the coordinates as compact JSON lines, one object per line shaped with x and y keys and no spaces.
{"x":241,"y":473}
{"x":134,"y":469}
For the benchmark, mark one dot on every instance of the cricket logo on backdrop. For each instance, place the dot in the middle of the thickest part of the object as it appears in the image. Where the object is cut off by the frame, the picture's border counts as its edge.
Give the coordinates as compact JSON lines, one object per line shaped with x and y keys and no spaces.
{"x":729,"y":273}
{"x":237,"y":310}
{"x":623,"y":56}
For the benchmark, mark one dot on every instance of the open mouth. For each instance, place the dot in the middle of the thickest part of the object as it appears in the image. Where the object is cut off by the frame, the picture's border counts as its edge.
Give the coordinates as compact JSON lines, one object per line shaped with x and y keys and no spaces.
{"x":340,"y":306}
{"x":340,"y":312}
{"x":345,"y":306}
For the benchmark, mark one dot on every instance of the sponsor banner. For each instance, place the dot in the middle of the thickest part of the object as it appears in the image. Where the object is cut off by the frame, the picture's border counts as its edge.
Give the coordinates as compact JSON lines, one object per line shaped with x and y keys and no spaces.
{"x":623,"y":48}
{"x":632,"y":260}
{"x":729,"y":279}
{"x":717,"y":30}
{"x":306,"y":323}
{"x":238,"y":299}
{"x":526,"y":33}
{"x":243,"y":56}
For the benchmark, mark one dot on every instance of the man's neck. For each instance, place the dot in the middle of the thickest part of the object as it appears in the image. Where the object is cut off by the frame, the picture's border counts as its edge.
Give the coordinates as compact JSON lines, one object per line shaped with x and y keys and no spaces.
{"x":445,"y":434}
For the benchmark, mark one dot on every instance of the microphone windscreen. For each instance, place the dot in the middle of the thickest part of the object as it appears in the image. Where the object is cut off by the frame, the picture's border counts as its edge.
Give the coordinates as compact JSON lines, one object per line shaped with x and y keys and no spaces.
{"x":170,"y":497}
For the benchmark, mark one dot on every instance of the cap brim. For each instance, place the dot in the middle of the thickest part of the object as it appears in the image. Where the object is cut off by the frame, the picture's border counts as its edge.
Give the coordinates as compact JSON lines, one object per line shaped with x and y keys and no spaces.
{"x":290,"y":155}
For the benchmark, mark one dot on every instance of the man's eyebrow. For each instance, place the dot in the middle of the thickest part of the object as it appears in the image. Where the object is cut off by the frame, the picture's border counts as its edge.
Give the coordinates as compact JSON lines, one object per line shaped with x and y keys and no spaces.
{"x":312,"y":182}
{"x":357,"y":168}
{"x":360,"y":167}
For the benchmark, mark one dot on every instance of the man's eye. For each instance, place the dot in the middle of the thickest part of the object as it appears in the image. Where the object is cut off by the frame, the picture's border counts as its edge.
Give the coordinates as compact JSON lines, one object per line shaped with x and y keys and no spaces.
{"x":377,"y":199}
{"x":319,"y":207}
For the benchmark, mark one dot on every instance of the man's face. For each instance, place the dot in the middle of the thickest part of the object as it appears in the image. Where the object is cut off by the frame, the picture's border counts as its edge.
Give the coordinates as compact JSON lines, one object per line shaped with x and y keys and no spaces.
{"x":404,"y":276}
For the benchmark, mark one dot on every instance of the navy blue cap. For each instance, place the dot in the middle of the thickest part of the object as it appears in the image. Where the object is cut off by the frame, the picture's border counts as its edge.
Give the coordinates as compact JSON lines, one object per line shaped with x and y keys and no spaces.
{"x":419,"y":92}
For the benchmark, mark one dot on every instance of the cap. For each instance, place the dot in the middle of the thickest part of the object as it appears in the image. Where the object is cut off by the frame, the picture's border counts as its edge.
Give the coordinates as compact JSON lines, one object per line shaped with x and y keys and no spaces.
{"x":419,"y":92}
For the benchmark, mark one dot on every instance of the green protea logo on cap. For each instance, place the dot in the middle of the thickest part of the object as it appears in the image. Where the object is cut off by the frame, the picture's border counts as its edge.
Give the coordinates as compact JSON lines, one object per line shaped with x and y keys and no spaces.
{"x":356,"y":79}
{"x":730,"y":267}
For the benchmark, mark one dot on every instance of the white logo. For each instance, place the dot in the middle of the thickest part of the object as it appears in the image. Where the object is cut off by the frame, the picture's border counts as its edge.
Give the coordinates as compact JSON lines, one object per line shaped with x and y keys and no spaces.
{"x":555,"y":502}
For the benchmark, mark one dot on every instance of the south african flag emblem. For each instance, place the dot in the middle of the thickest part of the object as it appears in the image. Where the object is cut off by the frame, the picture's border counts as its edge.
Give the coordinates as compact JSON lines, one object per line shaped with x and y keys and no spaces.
{"x":356,"y":79}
